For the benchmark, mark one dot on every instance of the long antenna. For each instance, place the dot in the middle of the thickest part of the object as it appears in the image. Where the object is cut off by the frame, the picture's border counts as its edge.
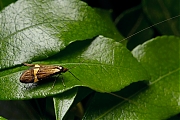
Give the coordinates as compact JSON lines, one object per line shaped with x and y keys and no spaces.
{"x":126,"y":99}
{"x":150,"y":27}
{"x":74,"y":67}
{"x":73,"y":75}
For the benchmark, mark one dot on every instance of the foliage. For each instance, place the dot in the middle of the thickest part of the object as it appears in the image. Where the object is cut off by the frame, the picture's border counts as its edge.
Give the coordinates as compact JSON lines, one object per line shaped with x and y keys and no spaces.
{"x":138,"y":84}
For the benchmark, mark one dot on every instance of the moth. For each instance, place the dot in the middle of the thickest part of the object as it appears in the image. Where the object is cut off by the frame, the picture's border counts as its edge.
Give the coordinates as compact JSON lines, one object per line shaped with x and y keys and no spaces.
{"x":41,"y":72}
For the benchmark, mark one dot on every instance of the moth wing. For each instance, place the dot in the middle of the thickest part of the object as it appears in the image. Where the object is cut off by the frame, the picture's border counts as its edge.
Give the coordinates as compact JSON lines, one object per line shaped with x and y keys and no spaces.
{"x":27,"y":76}
{"x":46,"y":72}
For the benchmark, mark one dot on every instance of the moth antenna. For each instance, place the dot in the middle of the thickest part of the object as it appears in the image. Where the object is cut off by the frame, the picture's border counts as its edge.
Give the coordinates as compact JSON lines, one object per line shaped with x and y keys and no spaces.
{"x":73,"y":75}
{"x":74,"y":67}
{"x":149,"y":27}
{"x":126,"y":99}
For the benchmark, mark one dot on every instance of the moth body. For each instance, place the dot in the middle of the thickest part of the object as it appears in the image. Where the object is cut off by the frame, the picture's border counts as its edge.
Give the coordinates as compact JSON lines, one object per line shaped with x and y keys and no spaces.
{"x":40,"y":72}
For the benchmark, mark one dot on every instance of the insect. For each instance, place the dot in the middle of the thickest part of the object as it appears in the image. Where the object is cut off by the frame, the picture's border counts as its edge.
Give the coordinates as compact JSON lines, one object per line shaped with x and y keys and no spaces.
{"x":41,"y":72}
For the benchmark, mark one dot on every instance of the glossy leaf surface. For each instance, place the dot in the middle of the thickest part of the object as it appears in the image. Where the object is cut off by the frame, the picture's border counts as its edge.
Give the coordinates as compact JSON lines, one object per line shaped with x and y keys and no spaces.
{"x":104,"y":65}
{"x":158,"y":100}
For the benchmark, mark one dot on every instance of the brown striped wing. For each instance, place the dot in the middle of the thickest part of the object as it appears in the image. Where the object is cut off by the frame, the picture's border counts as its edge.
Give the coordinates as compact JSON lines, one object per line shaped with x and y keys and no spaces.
{"x":47,"y":71}
{"x":27,"y":76}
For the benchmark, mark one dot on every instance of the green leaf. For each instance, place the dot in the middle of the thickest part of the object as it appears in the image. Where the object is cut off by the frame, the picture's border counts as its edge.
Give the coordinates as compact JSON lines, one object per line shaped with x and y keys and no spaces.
{"x":108,"y":66}
{"x":161,"y":60}
{"x":62,"y":102}
{"x":104,"y":65}
{"x":160,"y":100}
{"x":1,"y":118}
{"x":40,"y":29}
{"x":160,"y":10}
{"x":4,"y":3}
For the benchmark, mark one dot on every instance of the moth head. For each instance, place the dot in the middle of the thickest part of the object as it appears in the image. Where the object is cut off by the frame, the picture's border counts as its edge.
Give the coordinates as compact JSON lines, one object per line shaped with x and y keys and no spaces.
{"x":62,"y":69}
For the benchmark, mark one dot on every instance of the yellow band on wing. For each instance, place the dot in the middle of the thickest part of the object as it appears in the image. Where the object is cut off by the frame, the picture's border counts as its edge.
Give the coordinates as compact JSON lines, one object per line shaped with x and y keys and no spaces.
{"x":36,"y":65}
{"x":35,"y":76}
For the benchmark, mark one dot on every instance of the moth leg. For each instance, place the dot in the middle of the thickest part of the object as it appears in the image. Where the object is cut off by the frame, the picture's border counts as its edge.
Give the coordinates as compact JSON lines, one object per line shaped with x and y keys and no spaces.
{"x":62,"y":79}
{"x":54,"y":83}
{"x":30,"y":65}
